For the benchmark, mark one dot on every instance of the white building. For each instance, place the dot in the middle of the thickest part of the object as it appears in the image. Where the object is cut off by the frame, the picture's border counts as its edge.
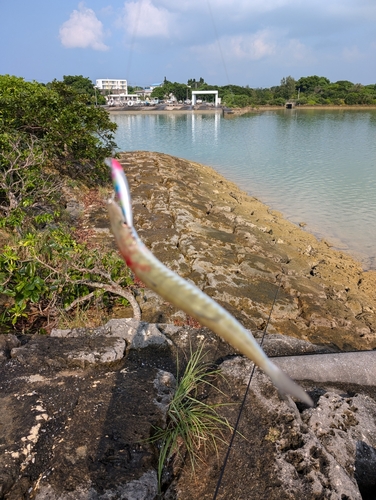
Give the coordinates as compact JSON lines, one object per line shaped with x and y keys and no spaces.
{"x":116,"y":86}
{"x":122,"y":99}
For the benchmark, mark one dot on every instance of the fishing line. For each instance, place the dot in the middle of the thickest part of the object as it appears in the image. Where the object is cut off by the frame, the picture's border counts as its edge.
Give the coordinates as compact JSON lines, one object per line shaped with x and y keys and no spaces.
{"x":218,"y":42}
{"x":133,"y":37}
{"x":235,"y":430}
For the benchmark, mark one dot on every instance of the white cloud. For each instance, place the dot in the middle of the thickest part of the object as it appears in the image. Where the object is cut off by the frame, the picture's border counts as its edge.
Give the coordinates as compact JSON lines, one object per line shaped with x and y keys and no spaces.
{"x":269,"y":47}
{"x":297,"y":51}
{"x":229,"y":6}
{"x":251,"y":47}
{"x":82,"y":30}
{"x":143,"y":19}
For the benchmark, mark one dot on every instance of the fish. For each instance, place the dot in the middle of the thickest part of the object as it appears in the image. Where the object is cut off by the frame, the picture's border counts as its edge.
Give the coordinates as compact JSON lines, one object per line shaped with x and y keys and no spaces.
{"x":183,"y":294}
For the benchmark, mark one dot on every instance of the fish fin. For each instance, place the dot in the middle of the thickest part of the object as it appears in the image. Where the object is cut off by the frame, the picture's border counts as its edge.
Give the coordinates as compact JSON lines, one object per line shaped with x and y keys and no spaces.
{"x":286,"y":385}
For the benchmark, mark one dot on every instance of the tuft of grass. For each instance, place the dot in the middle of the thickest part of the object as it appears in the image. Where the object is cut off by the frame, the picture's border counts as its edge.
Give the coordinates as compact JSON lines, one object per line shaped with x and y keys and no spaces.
{"x":192,"y":425}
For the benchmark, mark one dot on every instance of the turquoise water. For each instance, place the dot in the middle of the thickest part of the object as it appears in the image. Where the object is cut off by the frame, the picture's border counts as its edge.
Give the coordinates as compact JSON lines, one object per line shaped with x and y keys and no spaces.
{"x":315,"y":166}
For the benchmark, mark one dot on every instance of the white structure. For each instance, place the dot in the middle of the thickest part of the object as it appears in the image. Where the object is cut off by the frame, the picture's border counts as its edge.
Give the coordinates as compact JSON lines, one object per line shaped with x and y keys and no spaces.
{"x":195,"y":93}
{"x":122,"y":99}
{"x":107,"y":84}
{"x":146,"y":92}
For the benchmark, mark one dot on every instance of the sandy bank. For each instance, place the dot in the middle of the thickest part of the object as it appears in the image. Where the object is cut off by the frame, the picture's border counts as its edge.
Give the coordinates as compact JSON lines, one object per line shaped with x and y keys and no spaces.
{"x":167,"y":111}
{"x":251,"y":109}
{"x":228,"y":111}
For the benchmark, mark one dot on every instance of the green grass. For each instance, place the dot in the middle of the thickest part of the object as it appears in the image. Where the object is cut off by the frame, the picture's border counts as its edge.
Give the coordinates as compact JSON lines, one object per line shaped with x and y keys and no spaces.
{"x":192,"y":425}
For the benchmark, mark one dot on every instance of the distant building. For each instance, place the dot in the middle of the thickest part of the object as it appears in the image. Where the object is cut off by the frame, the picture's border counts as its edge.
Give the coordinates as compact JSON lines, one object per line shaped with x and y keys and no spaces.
{"x":115,"y":86}
{"x":146,"y":92}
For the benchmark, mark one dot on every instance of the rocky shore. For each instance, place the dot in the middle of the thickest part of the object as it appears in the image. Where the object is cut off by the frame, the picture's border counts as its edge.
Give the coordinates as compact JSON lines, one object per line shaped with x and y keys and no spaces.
{"x":239,"y":251}
{"x":77,"y":407}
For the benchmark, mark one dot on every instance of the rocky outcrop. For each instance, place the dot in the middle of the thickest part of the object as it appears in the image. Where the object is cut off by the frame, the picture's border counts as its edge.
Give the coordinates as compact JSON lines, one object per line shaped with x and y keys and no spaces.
{"x":239,"y":251}
{"x":78,"y":407}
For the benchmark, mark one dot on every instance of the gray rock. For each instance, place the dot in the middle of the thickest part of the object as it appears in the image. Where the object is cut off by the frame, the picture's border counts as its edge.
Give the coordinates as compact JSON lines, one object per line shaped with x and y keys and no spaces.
{"x":145,"y":488}
{"x":165,"y":384}
{"x":72,"y":351}
{"x":137,"y":334}
{"x":7,"y":343}
{"x":74,"y":208}
{"x":315,"y":452}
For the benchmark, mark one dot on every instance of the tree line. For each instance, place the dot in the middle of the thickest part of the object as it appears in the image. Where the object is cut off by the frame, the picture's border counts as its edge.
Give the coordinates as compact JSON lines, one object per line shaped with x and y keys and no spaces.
{"x":308,"y":90}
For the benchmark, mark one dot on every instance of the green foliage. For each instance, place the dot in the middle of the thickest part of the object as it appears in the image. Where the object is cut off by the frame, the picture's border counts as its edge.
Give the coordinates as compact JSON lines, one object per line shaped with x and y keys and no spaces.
{"x":158,"y":93}
{"x":84,"y":86}
{"x":47,"y":131}
{"x":70,"y":132}
{"x":278,"y":101}
{"x":27,"y":194}
{"x":308,"y":90}
{"x":287,"y":88}
{"x":51,"y":270}
{"x":237,"y":101}
{"x":308,"y":84}
{"x":179,"y":90}
{"x":192,"y":424}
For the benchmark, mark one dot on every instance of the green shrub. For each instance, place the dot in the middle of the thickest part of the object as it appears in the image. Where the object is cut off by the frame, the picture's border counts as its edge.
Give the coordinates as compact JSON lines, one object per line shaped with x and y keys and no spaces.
{"x":49,"y":271}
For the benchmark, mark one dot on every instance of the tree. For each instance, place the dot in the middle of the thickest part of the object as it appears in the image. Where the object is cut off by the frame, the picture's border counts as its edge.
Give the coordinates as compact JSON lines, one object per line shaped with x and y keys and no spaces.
{"x":287,"y":87}
{"x":158,"y":93}
{"x":308,"y":84}
{"x":85,"y":87}
{"x":43,"y":268}
{"x":70,"y":133}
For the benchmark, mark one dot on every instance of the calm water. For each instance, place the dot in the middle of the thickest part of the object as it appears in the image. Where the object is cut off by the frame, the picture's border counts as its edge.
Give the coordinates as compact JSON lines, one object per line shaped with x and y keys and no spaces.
{"x":315,"y":166}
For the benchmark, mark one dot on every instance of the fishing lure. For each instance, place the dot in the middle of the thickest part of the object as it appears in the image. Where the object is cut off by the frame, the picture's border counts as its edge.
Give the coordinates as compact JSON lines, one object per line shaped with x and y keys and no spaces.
{"x":182,"y":294}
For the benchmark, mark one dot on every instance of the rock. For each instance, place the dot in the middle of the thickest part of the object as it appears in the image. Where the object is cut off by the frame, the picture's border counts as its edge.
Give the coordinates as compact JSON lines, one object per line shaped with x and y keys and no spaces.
{"x":76,"y":412}
{"x":309,"y":453}
{"x":77,"y":409}
{"x":145,"y":488}
{"x":74,"y":208}
{"x":7,"y":343}
{"x":73,"y":351}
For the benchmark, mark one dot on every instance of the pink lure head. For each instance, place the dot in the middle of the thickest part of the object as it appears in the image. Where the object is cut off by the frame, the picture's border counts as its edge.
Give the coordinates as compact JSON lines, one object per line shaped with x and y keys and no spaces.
{"x":121,"y":189}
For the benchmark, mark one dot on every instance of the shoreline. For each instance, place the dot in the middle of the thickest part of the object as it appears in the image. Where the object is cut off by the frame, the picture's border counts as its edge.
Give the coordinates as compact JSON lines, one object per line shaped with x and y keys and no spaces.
{"x":230,"y":111}
{"x":331,"y":237}
{"x":236,"y":249}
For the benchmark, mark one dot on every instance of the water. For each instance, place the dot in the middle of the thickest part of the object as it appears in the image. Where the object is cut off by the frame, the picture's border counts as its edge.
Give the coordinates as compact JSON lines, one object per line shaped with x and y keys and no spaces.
{"x":315,"y":166}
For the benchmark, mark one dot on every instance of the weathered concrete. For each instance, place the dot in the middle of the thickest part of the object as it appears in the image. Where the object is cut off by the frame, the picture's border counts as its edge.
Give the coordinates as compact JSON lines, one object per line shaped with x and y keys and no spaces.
{"x":347,"y":368}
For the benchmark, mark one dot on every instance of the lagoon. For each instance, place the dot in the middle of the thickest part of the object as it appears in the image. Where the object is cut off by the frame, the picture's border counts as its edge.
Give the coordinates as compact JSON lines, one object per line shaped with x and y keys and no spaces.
{"x":317,"y":167}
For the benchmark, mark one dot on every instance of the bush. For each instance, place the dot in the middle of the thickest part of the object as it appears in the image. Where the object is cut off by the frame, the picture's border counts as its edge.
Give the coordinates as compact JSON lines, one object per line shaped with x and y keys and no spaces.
{"x":46,"y":132}
{"x":46,"y":272}
{"x":70,"y":132}
{"x":278,"y":101}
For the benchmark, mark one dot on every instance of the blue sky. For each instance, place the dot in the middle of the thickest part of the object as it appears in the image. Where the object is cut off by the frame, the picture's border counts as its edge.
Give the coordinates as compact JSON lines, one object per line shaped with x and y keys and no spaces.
{"x":244,"y":42}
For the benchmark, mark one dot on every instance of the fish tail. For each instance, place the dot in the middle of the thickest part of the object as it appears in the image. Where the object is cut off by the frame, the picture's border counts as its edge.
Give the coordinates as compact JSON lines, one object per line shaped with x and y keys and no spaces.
{"x":286,"y":385}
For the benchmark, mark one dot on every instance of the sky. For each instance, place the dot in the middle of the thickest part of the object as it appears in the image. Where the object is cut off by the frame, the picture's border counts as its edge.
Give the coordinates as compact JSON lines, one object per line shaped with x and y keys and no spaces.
{"x":242,"y":42}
